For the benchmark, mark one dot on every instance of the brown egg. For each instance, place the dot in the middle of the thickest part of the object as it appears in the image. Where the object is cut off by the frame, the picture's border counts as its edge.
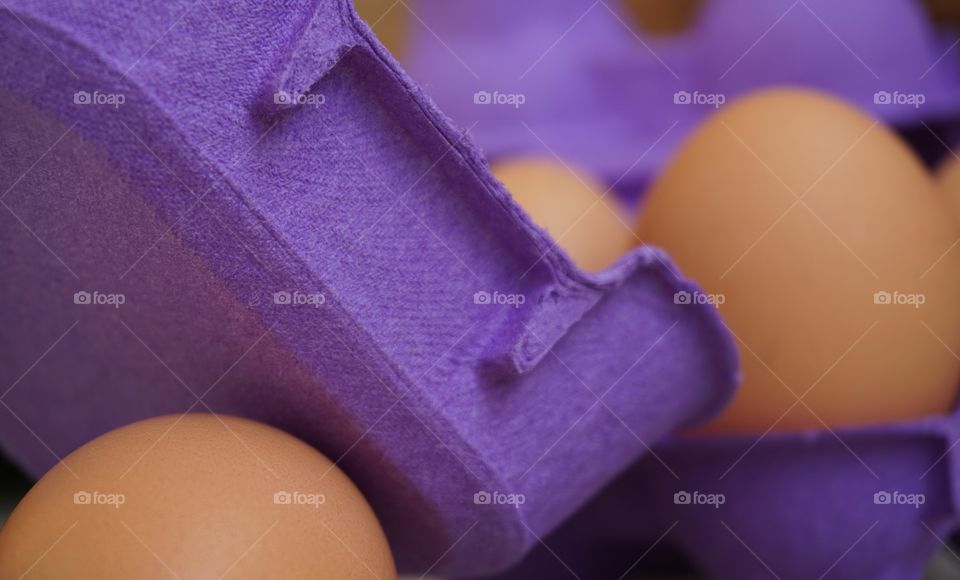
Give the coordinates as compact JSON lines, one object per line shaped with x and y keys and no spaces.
{"x":827,"y":243}
{"x":569,"y":206}
{"x":194,"y":496}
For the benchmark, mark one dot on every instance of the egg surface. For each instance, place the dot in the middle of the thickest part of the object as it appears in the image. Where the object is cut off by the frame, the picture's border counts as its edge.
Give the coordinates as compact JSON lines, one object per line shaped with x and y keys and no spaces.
{"x":194,"y":496}
{"x":830,"y":254}
{"x":572,"y":207}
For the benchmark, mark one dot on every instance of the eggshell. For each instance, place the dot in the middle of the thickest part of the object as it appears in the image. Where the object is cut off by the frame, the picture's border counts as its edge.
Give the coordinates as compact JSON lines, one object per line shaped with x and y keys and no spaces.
{"x":194,"y":496}
{"x":830,"y":254}
{"x":572,"y":207}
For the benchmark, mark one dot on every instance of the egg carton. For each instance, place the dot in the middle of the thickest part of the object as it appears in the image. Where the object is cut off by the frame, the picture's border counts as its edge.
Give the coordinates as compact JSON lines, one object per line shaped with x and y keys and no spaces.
{"x":873,"y":502}
{"x":617,"y":102}
{"x":866,"y":502}
{"x":251,"y":209}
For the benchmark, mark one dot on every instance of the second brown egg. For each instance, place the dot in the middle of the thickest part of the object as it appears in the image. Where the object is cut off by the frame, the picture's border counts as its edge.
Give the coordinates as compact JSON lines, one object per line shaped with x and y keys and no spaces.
{"x":834,"y":253}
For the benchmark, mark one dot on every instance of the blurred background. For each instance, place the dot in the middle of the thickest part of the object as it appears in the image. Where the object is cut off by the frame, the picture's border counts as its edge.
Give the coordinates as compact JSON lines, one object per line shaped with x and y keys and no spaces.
{"x":591,"y":73}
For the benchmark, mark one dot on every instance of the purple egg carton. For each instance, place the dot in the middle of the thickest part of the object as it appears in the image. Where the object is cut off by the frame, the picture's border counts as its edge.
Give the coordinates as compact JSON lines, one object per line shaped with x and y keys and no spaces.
{"x":602,"y":95}
{"x":852,"y":503}
{"x":869,"y":502}
{"x":253,"y":210}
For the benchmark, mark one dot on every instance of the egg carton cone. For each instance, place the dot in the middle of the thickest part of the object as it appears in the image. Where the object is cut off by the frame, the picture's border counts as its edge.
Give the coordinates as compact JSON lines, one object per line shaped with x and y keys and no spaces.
{"x":251,"y":209}
{"x":866,"y":502}
{"x":582,"y":80}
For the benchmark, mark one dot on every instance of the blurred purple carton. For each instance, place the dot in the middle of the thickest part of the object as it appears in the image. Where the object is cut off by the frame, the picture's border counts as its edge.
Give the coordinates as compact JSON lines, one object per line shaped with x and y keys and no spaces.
{"x":603,"y":95}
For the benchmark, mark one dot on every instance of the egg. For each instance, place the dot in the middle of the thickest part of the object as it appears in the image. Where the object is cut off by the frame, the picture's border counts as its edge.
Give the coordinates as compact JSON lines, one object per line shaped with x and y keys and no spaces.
{"x":830,"y":255}
{"x":571,"y":206}
{"x":194,"y":496}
